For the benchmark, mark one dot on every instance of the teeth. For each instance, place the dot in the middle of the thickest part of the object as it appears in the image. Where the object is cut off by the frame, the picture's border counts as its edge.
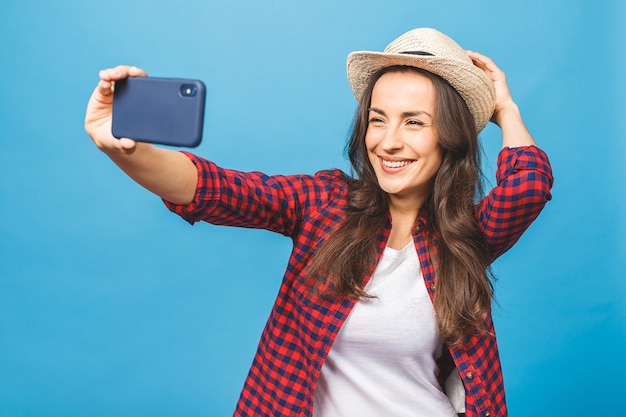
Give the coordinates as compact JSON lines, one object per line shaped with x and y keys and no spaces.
{"x":395,"y":164}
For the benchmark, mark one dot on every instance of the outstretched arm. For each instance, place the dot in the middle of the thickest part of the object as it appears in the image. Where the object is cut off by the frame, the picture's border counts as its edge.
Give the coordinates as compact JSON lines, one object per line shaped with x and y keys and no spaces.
{"x":169,"y":174}
{"x":506,"y":114}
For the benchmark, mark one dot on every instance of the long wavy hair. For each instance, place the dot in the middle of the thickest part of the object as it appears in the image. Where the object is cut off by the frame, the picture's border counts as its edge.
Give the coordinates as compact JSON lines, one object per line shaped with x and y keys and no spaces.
{"x":463,"y":289}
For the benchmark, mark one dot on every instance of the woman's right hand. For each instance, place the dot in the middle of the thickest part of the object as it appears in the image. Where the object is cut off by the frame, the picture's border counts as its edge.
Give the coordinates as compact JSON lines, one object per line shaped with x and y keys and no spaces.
{"x":169,"y":174}
{"x":100,"y":110}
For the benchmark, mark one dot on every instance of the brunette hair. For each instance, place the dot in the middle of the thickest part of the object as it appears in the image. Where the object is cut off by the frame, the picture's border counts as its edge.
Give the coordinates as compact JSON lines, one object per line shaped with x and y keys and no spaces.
{"x":463,"y":289}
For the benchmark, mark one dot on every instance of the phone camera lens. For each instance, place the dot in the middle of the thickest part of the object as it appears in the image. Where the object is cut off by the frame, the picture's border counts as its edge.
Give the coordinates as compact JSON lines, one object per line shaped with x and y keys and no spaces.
{"x":188,"y":90}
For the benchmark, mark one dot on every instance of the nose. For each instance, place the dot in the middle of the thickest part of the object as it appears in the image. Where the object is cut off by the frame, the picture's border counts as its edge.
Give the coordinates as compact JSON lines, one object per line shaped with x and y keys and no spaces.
{"x":392,"y":140}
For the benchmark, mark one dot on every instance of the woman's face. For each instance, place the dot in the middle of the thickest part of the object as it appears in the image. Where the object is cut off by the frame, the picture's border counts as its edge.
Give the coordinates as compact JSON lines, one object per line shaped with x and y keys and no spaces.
{"x":401,"y":141}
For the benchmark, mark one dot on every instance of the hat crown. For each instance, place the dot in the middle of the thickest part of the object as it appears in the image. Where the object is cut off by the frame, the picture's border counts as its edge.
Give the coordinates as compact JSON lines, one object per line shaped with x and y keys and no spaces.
{"x":427,"y":41}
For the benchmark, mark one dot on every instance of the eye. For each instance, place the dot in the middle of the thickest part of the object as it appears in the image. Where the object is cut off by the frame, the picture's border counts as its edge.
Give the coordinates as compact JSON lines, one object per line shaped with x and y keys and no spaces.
{"x":376,"y":121}
{"x":416,"y":124}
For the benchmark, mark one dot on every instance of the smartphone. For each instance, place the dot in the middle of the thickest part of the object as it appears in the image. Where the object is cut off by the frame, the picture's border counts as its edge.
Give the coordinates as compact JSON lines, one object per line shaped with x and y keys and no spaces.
{"x":167,"y":111}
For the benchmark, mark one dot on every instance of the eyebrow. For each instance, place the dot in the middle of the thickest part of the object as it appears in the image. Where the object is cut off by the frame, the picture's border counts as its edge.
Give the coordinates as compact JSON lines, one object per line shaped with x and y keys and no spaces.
{"x":404,"y":114}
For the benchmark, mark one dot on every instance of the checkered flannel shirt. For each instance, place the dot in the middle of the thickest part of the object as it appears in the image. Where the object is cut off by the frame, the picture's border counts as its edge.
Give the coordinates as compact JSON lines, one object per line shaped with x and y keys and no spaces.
{"x":301,"y":328}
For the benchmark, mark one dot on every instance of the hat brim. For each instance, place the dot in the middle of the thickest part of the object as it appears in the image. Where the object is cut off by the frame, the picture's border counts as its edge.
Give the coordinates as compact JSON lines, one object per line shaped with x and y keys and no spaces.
{"x":471,"y":82}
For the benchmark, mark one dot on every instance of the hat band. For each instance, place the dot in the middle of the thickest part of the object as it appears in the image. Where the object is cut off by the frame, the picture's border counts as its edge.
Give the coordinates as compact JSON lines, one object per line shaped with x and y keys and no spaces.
{"x":423,"y":53}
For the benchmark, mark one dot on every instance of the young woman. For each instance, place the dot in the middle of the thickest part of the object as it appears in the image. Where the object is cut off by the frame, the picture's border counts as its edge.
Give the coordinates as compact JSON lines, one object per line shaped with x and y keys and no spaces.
{"x":385,"y":306}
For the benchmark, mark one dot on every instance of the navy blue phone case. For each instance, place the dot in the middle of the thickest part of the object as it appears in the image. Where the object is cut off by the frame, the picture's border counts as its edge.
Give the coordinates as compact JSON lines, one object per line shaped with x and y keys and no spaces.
{"x":168,"y":111}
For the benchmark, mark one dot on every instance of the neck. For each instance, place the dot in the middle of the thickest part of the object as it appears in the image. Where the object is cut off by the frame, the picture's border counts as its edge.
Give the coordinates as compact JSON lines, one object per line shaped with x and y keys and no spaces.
{"x":406,"y":209}
{"x":403,"y":221}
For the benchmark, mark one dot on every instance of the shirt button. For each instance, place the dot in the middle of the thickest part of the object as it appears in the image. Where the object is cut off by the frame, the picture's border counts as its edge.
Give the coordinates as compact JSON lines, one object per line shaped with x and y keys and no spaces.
{"x":432,"y":287}
{"x":470,"y":376}
{"x":486,"y":414}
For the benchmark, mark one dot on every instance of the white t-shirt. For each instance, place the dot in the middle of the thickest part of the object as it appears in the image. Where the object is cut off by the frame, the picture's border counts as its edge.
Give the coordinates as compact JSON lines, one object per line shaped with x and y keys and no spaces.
{"x":383,"y":361}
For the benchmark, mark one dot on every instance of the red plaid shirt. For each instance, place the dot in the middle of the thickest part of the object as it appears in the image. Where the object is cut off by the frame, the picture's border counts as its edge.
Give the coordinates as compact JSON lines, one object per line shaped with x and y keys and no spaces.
{"x":301,"y":327}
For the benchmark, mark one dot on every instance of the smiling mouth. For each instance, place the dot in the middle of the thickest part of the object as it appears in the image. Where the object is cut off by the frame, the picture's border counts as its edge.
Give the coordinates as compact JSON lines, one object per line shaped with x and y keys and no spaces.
{"x":396,"y":164}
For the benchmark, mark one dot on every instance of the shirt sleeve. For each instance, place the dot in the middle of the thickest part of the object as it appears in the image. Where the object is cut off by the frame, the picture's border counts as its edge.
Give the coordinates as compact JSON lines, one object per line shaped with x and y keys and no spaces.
{"x":523,"y":183}
{"x":254,"y":200}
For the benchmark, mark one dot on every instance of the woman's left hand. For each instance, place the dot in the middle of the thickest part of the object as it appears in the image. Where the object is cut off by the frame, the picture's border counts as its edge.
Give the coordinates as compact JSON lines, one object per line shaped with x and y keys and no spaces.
{"x":506,"y":113}
{"x":497,"y":76}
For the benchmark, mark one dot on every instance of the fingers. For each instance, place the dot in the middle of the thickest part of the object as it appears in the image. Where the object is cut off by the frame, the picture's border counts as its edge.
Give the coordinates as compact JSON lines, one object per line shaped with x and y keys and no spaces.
{"x":480,"y":59}
{"x":486,"y":64}
{"x":127,"y":146}
{"x":110,"y":75}
{"x":121,"y":71}
{"x":105,"y":88}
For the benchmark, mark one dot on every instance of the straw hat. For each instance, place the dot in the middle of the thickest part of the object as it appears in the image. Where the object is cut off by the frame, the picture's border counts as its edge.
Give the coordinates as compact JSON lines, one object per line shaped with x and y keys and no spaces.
{"x":435,"y":52}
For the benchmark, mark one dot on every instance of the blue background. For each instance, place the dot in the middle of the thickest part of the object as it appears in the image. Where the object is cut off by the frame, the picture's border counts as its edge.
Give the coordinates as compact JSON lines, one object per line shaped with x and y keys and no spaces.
{"x":110,"y":305}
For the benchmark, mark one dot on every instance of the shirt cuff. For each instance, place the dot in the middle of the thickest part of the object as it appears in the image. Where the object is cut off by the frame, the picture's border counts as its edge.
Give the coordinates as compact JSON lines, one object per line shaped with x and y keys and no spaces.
{"x":207,"y":191}
{"x":511,"y":160}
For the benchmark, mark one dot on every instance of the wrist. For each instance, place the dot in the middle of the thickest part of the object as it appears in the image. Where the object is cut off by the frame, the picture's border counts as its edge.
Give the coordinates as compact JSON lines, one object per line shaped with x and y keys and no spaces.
{"x":506,"y":112}
{"x":514,"y":131}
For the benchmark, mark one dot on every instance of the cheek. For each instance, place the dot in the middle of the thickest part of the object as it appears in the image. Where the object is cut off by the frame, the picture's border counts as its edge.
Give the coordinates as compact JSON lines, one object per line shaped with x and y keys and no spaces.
{"x":432,"y":153}
{"x":432,"y":147}
{"x":427,"y":146}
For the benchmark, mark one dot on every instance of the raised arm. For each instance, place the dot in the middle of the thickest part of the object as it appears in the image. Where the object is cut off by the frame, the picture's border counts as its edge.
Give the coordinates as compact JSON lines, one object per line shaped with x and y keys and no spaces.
{"x":169,"y":174}
{"x":506,"y":114}
{"x":524,"y":176}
